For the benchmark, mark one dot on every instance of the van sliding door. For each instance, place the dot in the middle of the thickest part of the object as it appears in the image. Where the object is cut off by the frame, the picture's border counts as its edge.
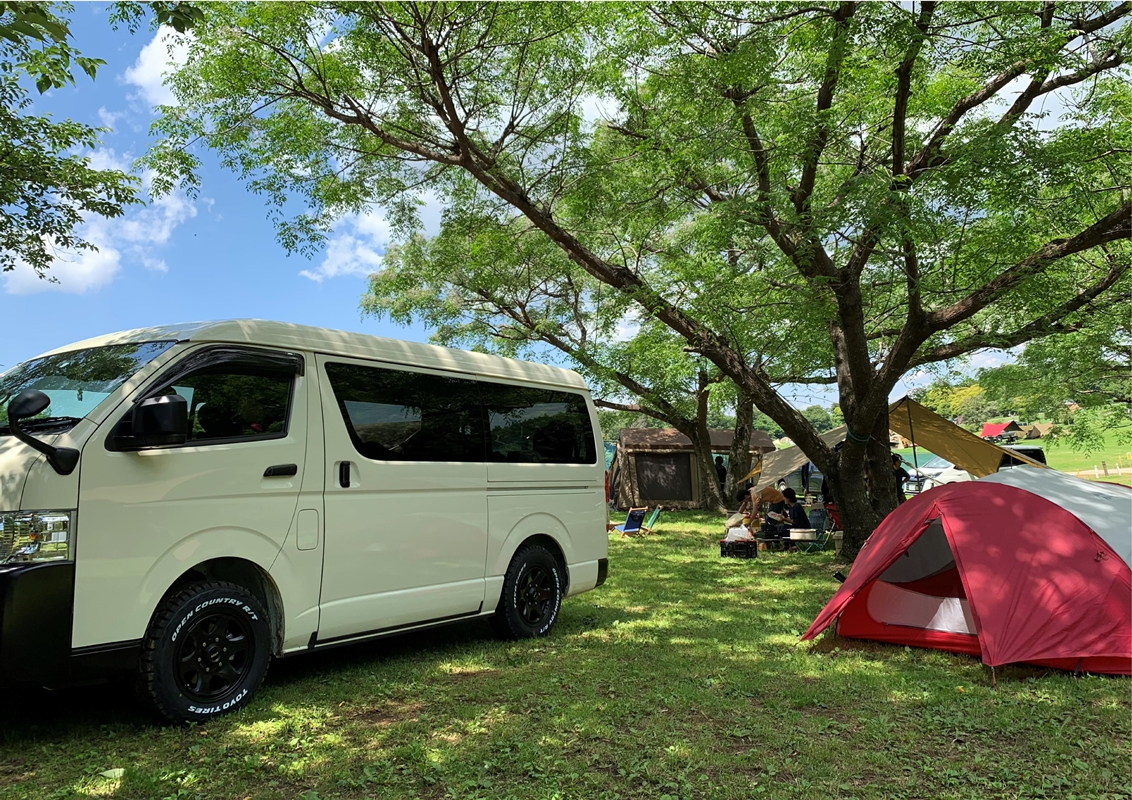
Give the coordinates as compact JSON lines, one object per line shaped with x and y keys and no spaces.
{"x":406,"y":501}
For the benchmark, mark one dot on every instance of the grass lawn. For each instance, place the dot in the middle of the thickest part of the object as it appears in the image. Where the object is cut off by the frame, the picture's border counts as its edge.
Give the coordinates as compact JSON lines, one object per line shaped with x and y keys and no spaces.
{"x":1114,"y":452}
{"x":682,"y":677}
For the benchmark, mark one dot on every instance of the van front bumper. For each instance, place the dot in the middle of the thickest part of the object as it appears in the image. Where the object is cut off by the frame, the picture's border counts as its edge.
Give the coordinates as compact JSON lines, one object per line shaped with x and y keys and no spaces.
{"x":36,"y":603}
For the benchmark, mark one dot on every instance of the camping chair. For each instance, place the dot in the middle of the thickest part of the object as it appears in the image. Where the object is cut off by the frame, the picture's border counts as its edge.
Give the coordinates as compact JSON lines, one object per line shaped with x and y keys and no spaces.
{"x":648,"y":524}
{"x":817,"y":545}
{"x":820,"y":522}
{"x":632,"y":524}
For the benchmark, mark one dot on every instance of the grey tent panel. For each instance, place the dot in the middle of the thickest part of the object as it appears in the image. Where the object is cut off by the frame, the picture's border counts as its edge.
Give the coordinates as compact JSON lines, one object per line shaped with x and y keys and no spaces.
{"x":664,"y":477}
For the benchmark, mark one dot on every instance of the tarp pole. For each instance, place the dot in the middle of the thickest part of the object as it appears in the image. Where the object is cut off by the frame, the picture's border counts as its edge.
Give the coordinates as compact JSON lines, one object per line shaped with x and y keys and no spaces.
{"x":912,"y":432}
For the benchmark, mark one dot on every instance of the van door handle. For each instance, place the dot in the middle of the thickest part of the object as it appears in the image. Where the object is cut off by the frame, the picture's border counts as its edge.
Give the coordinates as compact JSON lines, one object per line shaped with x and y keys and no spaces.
{"x":344,"y":474}
{"x":281,"y":471}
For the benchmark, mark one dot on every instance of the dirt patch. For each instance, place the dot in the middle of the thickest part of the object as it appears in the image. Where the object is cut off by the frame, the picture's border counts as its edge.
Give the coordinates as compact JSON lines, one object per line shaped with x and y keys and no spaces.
{"x":389,"y":714}
{"x":468,"y":674}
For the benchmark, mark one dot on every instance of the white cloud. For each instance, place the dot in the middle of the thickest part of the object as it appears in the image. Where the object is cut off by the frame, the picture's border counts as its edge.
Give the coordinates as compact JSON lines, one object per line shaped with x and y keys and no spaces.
{"x":109,"y":119}
{"x":154,"y":224}
{"x":138,"y":235}
{"x":167,"y":51}
{"x":355,"y":249}
{"x":74,"y":272}
{"x":108,"y":159}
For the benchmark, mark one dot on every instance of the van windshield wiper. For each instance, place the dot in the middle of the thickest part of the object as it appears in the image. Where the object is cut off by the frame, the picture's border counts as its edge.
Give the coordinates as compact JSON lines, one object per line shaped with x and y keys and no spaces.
{"x":44,"y":423}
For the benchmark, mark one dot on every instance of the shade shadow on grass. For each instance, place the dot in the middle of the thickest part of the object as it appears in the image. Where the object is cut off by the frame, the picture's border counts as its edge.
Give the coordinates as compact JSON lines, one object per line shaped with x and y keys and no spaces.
{"x":682,"y":676}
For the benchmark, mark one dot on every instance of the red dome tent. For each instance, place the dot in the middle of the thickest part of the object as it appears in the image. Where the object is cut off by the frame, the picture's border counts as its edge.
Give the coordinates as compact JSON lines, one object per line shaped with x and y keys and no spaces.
{"x":991,"y":570}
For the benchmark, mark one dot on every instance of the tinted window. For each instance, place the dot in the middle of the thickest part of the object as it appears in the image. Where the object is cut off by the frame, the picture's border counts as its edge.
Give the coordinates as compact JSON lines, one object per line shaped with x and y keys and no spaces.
{"x":235,"y":402}
{"x":393,"y":415}
{"x":538,"y":426}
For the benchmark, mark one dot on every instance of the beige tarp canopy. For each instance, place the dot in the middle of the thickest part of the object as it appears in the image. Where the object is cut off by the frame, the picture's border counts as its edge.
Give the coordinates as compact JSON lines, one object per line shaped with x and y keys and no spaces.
{"x":1037,"y":430}
{"x":962,"y":448}
{"x":782,"y":462}
{"x":917,"y":424}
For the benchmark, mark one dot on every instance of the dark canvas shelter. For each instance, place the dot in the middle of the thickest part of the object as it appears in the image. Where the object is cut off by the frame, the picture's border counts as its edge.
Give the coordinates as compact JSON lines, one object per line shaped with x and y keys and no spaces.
{"x":654,"y":466}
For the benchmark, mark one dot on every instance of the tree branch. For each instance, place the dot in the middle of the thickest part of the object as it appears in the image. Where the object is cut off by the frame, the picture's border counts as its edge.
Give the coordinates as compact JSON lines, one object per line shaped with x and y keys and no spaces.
{"x":1112,"y":227}
{"x":838,"y":47}
{"x":1049,"y":323}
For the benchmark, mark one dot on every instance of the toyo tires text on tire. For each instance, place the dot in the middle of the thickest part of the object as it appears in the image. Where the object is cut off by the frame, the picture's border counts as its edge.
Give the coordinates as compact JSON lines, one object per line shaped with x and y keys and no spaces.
{"x":206,"y":652}
{"x":532,"y":594}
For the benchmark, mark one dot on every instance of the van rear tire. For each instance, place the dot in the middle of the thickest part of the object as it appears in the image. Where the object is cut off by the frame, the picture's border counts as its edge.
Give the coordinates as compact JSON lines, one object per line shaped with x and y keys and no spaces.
{"x":532,"y":595}
{"x":206,"y":652}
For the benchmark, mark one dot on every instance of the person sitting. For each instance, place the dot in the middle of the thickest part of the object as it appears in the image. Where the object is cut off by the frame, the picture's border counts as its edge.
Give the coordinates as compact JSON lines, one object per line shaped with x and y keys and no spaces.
{"x":795,"y":514}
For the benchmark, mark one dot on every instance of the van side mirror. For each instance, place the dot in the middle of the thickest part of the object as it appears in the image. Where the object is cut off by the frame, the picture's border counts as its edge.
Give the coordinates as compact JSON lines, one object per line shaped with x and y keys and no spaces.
{"x":26,"y":404}
{"x":157,"y":422}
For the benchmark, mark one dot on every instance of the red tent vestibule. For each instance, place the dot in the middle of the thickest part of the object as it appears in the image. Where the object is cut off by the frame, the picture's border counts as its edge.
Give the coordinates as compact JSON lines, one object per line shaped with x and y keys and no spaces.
{"x":992,"y":429}
{"x":994,"y":571}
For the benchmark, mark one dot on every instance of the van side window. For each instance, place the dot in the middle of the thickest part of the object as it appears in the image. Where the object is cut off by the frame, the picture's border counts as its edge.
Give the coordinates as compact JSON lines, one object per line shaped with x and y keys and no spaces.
{"x":235,"y":402}
{"x":538,"y":426}
{"x":394,"y":415}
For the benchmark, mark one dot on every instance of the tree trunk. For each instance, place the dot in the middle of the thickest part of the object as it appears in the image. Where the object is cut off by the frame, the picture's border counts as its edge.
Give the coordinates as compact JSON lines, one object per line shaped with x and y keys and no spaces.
{"x":864,"y":497}
{"x":710,"y":495}
{"x":739,"y":463}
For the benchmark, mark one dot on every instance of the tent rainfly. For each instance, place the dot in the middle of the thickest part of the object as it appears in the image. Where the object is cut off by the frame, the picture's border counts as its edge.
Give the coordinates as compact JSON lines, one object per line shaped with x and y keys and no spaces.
{"x":923,"y":428}
{"x":993,"y":429}
{"x":1038,"y":430}
{"x":1025,"y":565}
{"x":654,"y":466}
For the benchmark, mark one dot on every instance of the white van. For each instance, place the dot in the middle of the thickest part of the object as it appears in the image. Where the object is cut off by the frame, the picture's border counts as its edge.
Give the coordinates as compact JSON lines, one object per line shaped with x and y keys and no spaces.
{"x":188,"y":501}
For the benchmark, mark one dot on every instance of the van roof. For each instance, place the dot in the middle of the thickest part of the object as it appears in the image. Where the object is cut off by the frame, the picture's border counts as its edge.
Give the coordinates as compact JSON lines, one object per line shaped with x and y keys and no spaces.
{"x":341,"y":343}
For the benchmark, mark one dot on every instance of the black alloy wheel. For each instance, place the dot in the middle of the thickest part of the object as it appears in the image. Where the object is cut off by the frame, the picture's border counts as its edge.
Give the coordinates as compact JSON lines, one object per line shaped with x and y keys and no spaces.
{"x":214,"y":655}
{"x":533,"y":587}
{"x":536,"y":599}
{"x":206,"y":652}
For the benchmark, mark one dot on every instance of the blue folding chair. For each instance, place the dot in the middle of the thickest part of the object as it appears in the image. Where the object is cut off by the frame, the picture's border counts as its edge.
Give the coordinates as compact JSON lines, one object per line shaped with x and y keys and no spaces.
{"x":633,"y":521}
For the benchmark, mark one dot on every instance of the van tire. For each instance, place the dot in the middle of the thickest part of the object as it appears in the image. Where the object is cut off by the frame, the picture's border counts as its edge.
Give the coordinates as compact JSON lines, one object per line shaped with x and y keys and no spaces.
{"x":178,"y":635}
{"x":532,"y":595}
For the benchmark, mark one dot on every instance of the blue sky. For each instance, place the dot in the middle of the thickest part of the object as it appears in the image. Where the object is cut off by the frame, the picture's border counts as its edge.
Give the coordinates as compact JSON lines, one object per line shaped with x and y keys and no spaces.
{"x":176,"y":259}
{"x":213,"y":257}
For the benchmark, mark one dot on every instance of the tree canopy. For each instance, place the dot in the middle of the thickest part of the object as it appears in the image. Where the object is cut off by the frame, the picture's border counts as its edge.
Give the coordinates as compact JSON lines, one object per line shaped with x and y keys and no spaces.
{"x":47,"y":185}
{"x":829,"y":193}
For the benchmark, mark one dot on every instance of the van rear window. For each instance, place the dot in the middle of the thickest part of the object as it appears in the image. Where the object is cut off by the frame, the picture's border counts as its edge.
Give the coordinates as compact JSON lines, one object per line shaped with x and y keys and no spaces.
{"x":538,"y":426}
{"x":396,"y":415}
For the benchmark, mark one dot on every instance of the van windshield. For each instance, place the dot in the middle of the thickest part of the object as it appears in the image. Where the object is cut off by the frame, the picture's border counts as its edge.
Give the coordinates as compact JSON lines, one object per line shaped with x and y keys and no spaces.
{"x":76,"y":381}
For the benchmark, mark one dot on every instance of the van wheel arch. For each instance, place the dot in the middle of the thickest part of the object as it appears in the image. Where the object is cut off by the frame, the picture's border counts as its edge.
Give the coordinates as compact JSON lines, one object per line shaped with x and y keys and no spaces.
{"x":246,"y":574}
{"x":551,"y":544}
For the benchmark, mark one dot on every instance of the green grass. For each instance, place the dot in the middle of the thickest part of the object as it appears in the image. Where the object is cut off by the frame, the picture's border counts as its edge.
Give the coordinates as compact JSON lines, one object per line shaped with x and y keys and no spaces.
{"x":1116,"y":450}
{"x":682,"y":677}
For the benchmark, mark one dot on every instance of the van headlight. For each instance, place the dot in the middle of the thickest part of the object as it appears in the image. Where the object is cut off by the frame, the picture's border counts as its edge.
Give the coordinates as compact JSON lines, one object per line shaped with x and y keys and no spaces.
{"x":35,"y":536}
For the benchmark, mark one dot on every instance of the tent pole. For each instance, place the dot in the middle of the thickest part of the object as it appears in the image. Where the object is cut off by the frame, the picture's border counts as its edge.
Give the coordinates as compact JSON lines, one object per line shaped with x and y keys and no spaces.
{"x":993,"y":679}
{"x":911,"y":430}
